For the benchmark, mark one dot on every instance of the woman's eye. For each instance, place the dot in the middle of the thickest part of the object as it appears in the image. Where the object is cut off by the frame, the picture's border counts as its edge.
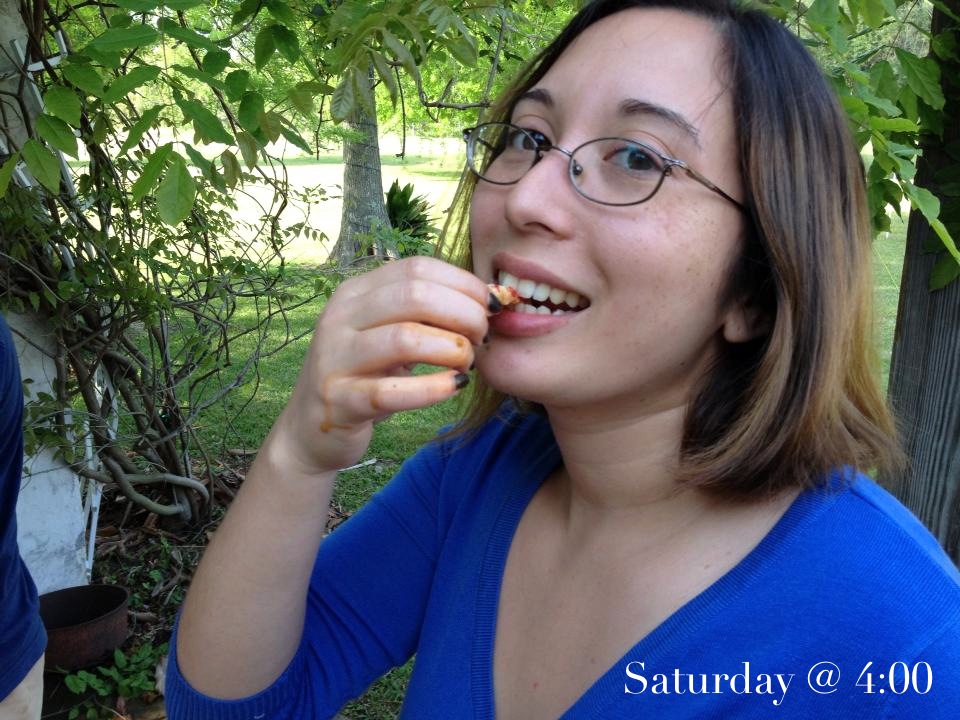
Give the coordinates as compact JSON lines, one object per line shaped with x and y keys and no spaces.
{"x":527,"y":140}
{"x":635,"y":158}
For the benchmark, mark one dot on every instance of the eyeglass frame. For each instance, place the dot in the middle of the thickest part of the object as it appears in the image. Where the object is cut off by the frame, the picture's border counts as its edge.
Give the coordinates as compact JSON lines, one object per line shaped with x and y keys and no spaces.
{"x":669,"y":163}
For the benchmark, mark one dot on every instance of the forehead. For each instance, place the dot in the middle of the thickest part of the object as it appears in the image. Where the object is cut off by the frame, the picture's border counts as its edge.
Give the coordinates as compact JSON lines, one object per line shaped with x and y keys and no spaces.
{"x":663,"y":59}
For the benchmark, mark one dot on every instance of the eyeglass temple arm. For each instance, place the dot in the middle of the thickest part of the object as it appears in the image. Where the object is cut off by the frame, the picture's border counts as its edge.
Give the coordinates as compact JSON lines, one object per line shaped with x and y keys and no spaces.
{"x":708,"y":184}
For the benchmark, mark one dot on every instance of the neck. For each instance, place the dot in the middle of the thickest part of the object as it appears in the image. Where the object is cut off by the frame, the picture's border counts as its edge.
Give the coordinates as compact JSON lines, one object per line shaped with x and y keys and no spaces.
{"x":620,"y":473}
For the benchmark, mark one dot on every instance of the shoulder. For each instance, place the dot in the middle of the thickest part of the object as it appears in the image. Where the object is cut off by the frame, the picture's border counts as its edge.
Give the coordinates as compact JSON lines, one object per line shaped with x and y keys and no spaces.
{"x":507,"y":440}
{"x":871,"y":566}
{"x":478,"y":466}
{"x":871,"y":526}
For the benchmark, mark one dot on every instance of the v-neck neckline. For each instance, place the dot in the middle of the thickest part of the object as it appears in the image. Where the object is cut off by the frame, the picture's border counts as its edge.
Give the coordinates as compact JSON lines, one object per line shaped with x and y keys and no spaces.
{"x":682,"y":623}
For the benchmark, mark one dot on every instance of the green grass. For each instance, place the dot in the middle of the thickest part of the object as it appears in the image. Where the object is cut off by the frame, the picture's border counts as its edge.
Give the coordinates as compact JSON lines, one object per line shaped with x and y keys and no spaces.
{"x":888,"y":252}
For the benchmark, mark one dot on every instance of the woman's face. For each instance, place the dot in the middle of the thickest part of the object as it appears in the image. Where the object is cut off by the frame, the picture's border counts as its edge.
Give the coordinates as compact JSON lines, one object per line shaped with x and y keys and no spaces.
{"x":651,"y":274}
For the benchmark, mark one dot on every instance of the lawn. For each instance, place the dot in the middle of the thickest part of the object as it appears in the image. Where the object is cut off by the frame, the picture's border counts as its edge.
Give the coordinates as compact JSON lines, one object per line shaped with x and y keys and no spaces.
{"x":243,"y":421}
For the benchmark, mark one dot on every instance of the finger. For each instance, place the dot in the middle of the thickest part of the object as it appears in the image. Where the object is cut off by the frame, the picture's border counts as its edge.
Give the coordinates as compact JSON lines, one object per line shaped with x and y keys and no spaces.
{"x":422,"y":302}
{"x":424,"y":269}
{"x":360,"y":399}
{"x":377,"y":350}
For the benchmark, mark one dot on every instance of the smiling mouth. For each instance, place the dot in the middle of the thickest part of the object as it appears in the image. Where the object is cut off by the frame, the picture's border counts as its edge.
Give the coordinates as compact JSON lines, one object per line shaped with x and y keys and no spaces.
{"x":541,"y":298}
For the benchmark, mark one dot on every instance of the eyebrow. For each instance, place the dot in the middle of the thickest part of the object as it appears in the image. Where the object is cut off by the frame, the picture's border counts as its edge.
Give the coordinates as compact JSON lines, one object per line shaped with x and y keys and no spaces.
{"x":627,"y":108}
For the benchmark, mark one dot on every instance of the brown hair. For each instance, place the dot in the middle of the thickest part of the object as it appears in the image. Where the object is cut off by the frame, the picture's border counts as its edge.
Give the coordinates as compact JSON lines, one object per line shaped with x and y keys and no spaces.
{"x":782,"y":410}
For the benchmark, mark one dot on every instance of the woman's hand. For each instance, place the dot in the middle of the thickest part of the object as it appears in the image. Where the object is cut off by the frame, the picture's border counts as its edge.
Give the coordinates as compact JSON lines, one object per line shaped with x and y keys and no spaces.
{"x":373,"y":329}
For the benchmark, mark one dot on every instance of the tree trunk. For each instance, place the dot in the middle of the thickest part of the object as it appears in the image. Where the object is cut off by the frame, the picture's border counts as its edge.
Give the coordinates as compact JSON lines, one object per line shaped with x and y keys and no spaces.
{"x":14,"y":132}
{"x":363,"y":202}
{"x":925,"y":368}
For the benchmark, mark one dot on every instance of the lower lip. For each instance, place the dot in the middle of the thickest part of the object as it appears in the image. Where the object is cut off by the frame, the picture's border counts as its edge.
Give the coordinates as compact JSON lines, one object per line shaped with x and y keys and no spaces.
{"x":519,"y":324}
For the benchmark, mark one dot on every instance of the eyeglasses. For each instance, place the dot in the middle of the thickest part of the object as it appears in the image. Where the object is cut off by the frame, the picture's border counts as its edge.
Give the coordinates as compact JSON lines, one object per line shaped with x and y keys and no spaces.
{"x":609,"y":171}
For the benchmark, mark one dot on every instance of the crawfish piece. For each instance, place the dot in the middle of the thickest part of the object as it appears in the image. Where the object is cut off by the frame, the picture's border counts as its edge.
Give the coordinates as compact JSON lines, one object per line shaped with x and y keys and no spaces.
{"x":504,"y":295}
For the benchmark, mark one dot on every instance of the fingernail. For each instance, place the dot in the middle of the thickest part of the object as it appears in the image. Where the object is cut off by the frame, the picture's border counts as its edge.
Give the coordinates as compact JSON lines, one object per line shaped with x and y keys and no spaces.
{"x":486,"y":338}
{"x":461,"y":380}
{"x":494,"y":304}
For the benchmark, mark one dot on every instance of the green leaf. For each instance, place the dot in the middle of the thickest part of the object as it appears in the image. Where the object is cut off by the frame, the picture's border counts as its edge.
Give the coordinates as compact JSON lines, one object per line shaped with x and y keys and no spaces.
{"x":249,"y":148}
{"x":169,"y":26}
{"x":941,"y":230}
{"x":63,"y":103}
{"x":944,"y":272}
{"x":271,"y":125}
{"x":893,"y":125}
{"x":874,"y":12}
{"x":294,"y":138}
{"x":120,"y":20}
{"x":281,"y":11}
{"x":125,"y":84}
{"x":386,"y":74}
{"x":402,"y":54}
{"x":151,"y":172}
{"x":342,"y":101}
{"x":264,"y":47}
{"x":232,"y":172}
{"x":57,"y":133}
{"x":204,"y":77}
{"x":236,"y":83}
{"x":824,"y":17}
{"x":6,"y":172}
{"x":461,"y":49}
{"x":75,"y":684}
{"x":116,"y":39}
{"x":84,"y":77}
{"x":881,"y":103}
{"x":43,"y":165}
{"x":138,"y":5}
{"x":944,"y":44}
{"x":215,"y":61}
{"x":249,"y":111}
{"x":119,"y":659}
{"x":107,"y":60}
{"x":883,"y":80}
{"x":923,"y":77}
{"x":101,"y":126}
{"x":923,"y":200}
{"x":302,"y":100}
{"x":208,"y":126}
{"x":855,"y":107}
{"x":246,"y":9}
{"x":196,"y":159}
{"x":183,"y":4}
{"x":287,"y":43}
{"x":176,"y":193}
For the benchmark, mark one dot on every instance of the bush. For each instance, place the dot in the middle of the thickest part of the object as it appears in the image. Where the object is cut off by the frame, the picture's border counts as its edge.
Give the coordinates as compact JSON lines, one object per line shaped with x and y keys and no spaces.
{"x":410,"y":219}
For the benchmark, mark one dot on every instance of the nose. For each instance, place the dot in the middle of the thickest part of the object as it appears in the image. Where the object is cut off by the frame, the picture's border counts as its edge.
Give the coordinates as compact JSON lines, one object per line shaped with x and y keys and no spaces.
{"x":544,"y":198}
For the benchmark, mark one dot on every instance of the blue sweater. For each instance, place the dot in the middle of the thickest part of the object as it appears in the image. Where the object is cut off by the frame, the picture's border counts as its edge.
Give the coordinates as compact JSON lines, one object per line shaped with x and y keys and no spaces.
{"x":22,"y":637}
{"x":847,"y":576}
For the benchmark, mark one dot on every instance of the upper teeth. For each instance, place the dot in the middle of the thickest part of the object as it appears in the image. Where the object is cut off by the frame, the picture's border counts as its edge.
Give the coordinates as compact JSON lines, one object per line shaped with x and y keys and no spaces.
{"x":541,"y":291}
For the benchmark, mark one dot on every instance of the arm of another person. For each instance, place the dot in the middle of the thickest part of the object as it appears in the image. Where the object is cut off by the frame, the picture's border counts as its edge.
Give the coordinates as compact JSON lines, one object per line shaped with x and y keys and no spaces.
{"x":242,"y":621}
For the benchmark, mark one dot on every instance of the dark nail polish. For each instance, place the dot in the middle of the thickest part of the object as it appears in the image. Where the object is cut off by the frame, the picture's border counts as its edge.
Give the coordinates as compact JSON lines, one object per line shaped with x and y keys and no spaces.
{"x":486,"y":338}
{"x":461,"y":380}
{"x":494,"y":304}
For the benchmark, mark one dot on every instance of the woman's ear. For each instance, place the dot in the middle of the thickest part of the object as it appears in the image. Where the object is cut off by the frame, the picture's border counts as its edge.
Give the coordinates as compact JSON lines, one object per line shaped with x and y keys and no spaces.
{"x":745,"y":321}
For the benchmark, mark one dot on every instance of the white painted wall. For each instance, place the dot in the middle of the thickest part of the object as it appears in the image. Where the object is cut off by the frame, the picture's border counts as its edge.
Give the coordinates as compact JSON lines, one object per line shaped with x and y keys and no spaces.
{"x":50,"y":521}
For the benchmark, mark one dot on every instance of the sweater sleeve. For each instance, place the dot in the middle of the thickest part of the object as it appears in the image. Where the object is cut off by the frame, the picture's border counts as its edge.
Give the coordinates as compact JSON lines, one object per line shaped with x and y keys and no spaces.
{"x":22,"y":637}
{"x":365,"y":606}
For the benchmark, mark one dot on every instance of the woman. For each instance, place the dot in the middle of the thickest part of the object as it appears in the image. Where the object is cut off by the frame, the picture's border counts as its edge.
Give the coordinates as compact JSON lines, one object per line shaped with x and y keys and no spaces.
{"x":666,"y":519}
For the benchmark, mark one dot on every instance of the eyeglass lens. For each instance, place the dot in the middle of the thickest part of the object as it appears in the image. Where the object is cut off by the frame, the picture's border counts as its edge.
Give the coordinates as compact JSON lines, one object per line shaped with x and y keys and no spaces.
{"x":608,"y":170}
